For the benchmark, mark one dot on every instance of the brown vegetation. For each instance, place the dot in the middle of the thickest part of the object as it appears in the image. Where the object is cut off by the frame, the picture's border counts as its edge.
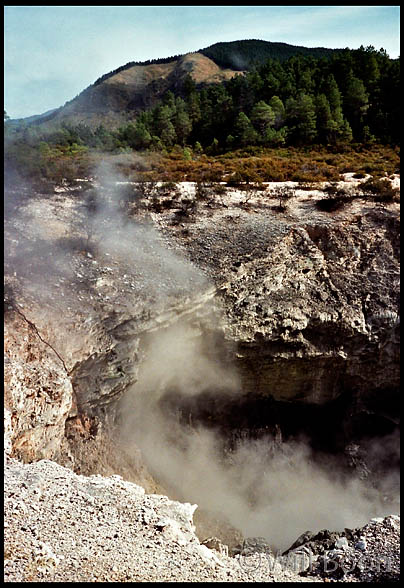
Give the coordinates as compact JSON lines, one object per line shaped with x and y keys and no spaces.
{"x":254,"y":164}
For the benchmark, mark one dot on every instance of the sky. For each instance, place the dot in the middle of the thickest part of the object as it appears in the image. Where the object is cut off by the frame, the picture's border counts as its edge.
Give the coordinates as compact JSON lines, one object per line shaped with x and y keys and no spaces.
{"x":52,"y":53}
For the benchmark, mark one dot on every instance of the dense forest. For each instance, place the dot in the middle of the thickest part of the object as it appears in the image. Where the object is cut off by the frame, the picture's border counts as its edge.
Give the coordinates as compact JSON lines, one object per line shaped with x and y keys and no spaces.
{"x":242,"y":55}
{"x":350,"y":97}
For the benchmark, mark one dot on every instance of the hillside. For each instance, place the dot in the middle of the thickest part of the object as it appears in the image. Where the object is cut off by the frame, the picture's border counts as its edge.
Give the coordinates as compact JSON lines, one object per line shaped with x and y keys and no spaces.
{"x":136,"y":88}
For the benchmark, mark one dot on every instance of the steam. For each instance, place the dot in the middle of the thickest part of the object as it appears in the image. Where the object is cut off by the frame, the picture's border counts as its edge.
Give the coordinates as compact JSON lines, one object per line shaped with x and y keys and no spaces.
{"x":52,"y":248}
{"x":135,"y":245}
{"x":262,"y":488}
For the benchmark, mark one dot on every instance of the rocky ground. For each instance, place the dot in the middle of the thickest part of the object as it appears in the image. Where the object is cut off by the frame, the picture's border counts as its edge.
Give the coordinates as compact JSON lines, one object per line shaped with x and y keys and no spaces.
{"x":62,"y":527}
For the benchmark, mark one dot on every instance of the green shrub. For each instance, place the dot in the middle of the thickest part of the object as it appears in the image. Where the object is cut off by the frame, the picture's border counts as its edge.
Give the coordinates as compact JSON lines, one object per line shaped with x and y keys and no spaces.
{"x":380,"y":190}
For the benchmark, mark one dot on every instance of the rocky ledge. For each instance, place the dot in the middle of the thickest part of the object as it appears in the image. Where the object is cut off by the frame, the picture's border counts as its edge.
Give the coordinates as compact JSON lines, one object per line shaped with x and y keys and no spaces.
{"x":62,"y":527}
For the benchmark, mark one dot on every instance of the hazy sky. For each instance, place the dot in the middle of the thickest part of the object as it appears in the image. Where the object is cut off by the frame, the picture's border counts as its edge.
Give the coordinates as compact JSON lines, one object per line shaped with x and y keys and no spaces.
{"x":53,"y":52}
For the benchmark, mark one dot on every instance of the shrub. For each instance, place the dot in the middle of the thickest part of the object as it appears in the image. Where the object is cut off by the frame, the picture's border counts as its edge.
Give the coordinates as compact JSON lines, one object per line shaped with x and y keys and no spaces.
{"x":219,"y":189}
{"x":307,"y":186}
{"x":235,"y":181}
{"x":202,"y":191}
{"x":187,"y":154}
{"x":213,"y":175}
{"x":168,"y":188}
{"x":336,"y":198}
{"x":284,"y":194}
{"x":380,"y":190}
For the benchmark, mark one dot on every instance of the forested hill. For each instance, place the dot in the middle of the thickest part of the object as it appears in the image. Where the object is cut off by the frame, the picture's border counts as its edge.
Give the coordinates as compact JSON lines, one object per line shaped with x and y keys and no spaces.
{"x":351,"y":98}
{"x":241,"y":55}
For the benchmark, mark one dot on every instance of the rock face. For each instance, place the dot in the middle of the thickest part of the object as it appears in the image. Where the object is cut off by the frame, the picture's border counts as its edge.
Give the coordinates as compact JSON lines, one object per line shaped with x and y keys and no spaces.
{"x":311,"y":302}
{"x":38,"y":393}
{"x":309,"y":299}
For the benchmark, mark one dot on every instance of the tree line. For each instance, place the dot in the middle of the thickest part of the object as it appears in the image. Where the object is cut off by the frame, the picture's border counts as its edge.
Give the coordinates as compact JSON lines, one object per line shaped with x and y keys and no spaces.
{"x":351,"y":97}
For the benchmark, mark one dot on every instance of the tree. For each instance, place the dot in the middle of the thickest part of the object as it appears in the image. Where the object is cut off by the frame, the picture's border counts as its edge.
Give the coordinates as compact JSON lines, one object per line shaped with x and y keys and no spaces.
{"x":272,"y":84}
{"x":326,"y":126}
{"x":275,"y":138}
{"x":188,"y":86}
{"x":141,"y":138}
{"x":345,"y":132}
{"x":182,"y":123}
{"x":169,"y":100}
{"x":193,"y":107}
{"x":262,"y":117}
{"x":356,"y":103}
{"x":103,"y":138}
{"x":329,"y":87}
{"x":162,"y":116}
{"x":367,"y":136}
{"x":279,"y":110}
{"x":301,"y":119}
{"x":244,"y":131}
{"x":168,"y":135}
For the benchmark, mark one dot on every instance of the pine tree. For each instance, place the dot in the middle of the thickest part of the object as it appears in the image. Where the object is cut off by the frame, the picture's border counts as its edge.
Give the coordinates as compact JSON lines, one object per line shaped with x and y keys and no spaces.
{"x":345,"y":132}
{"x":275,"y":138}
{"x":169,"y":100}
{"x":330,"y":88}
{"x":356,"y":103}
{"x":244,"y":132}
{"x":162,"y":116}
{"x":262,"y":117}
{"x":326,"y":126}
{"x":168,"y":134}
{"x":193,"y":107}
{"x":301,"y":119}
{"x":182,"y":123}
{"x":142,"y":137}
{"x":279,"y":110}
